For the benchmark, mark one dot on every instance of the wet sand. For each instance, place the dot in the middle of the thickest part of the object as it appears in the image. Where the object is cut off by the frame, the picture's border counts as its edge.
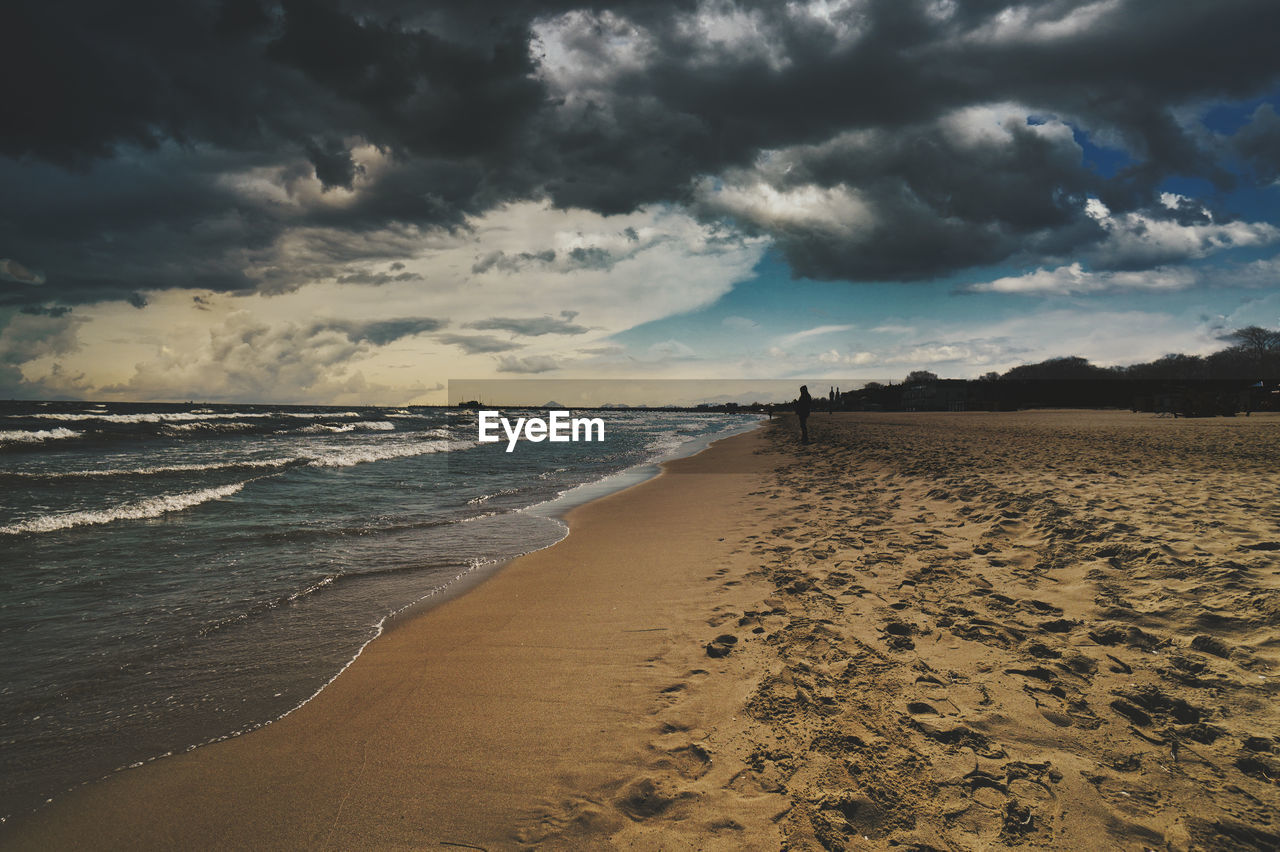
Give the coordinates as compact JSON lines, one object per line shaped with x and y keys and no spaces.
{"x":528,"y":708}
{"x":922,"y":631}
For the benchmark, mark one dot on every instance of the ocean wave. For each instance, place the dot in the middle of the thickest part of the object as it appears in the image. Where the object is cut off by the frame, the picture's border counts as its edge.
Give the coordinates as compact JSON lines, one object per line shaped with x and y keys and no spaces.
{"x":25,"y":436}
{"x":321,"y":457}
{"x":348,"y":456}
{"x":259,"y":608}
{"x":502,"y":492}
{"x":358,"y":426}
{"x":665,"y":442}
{"x":150,"y":508}
{"x":203,"y":426}
{"x":324,"y":428}
{"x":314,"y":587}
{"x":187,"y":416}
{"x":257,"y":464}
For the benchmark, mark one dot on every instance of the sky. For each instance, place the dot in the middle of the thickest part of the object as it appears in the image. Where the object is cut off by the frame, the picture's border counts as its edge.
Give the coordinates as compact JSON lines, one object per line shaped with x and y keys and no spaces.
{"x":357,"y":202}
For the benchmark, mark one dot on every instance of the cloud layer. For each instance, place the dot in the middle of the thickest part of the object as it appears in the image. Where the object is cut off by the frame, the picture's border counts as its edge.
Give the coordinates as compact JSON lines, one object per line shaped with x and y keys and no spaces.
{"x":173,"y":145}
{"x":290,"y":197}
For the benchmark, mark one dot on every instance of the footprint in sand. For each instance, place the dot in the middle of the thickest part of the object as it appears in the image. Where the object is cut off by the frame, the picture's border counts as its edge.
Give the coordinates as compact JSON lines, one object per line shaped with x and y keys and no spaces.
{"x":644,"y":798}
{"x":721,"y":645}
{"x":689,"y":761}
{"x":1057,"y":701}
{"x":898,"y":635}
{"x":1259,"y":767}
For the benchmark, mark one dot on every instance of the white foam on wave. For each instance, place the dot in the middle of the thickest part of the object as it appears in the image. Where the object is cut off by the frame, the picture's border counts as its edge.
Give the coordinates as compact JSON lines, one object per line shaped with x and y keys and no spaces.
{"x":156,"y":469}
{"x":205,"y":414}
{"x":204,"y":426}
{"x":315,"y":587}
{"x":325,"y":428}
{"x":359,"y":425}
{"x":501,"y":492}
{"x":348,"y":456}
{"x":150,"y":508}
{"x":25,"y":436}
{"x":322,"y":457}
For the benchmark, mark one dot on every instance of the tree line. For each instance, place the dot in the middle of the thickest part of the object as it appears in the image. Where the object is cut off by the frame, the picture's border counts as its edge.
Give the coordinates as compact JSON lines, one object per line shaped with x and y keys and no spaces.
{"x":1241,"y":376}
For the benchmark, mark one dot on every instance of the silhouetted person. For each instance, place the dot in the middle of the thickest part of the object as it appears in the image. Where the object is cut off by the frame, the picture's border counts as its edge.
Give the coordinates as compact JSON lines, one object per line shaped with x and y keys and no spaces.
{"x":803,"y":406}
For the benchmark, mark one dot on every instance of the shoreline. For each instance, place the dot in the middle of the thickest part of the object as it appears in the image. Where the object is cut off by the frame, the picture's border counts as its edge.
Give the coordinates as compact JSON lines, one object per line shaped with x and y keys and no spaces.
{"x":50,"y":816}
{"x":554,"y":509}
{"x":558,"y":508}
{"x":1053,"y":629}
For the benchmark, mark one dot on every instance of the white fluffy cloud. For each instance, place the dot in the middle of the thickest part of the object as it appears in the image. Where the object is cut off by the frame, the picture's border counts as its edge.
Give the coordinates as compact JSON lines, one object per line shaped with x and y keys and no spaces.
{"x":1074,"y":279}
{"x":837,"y":210}
{"x":1027,"y":24}
{"x":1141,"y":240}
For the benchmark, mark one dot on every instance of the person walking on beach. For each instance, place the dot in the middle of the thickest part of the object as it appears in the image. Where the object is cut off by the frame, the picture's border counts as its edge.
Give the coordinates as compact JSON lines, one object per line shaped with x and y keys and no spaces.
{"x":803,"y":406}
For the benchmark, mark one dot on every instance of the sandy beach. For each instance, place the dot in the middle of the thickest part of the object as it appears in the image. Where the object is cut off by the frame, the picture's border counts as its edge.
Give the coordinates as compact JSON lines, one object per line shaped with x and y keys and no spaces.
{"x":921,"y":631}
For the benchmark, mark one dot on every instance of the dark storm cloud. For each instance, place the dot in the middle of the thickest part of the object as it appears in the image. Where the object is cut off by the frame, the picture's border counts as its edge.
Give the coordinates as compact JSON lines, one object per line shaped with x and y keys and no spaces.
{"x":124,"y":119}
{"x":239,"y":73}
{"x":46,"y":310}
{"x":377,"y":278}
{"x":424,"y":93}
{"x":333,"y":164}
{"x":130,"y":126}
{"x":935,"y":203}
{"x":591,"y":257}
{"x":588,"y":257}
{"x":129,"y":223}
{"x":531,"y":326}
{"x":1259,"y":141}
{"x":477,"y":343}
{"x":382,"y":332}
{"x":504,"y":262}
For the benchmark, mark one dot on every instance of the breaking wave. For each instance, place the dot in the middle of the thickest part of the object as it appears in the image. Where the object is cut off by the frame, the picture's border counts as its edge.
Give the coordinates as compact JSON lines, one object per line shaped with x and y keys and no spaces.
{"x":152,"y":507}
{"x":157,"y":469}
{"x":187,"y":416}
{"x":348,"y":456}
{"x":25,"y":436}
{"x":358,"y":426}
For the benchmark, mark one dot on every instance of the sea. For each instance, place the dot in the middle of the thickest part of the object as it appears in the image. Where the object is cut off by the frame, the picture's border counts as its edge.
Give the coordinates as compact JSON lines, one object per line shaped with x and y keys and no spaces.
{"x":175,"y":574}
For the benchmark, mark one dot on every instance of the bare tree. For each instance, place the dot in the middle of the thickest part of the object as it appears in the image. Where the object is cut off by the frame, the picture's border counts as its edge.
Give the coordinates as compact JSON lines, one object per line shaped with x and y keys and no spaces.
{"x":1256,"y":341}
